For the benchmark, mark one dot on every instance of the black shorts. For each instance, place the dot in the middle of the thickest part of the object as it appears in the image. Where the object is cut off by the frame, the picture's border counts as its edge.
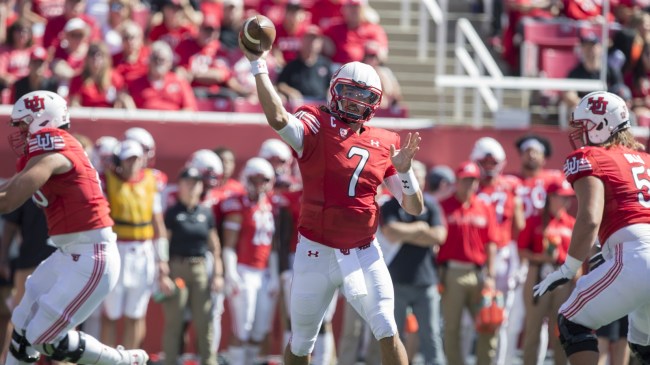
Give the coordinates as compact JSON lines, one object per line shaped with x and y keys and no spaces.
{"x":614,"y":331}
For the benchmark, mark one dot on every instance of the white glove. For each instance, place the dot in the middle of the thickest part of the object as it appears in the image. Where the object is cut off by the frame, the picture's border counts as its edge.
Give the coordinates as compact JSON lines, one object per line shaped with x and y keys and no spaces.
{"x":558,"y":277}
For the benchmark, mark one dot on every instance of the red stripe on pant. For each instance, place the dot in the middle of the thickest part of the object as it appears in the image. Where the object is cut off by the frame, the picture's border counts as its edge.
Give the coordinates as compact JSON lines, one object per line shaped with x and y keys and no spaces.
{"x":591,"y":292}
{"x":98,"y":270}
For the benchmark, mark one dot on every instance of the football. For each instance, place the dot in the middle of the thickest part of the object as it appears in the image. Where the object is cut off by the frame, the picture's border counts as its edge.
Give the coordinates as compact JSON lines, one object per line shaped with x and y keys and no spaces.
{"x":258,"y":34}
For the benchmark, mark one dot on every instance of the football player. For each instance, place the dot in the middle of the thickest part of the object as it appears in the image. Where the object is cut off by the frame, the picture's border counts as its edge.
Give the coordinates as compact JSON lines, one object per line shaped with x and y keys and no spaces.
{"x":342,"y":162}
{"x":65,"y":289}
{"x":611,"y":179}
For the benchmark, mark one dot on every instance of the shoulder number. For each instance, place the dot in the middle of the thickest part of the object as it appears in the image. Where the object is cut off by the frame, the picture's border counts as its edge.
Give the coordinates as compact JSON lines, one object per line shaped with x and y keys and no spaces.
{"x":642,"y":181}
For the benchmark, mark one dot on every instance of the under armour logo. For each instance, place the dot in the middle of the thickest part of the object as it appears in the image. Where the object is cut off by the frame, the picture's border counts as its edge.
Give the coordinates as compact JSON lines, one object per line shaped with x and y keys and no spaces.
{"x":75,"y":257}
{"x":597,"y":105}
{"x":374,"y":143}
{"x":311,"y":253}
{"x":345,"y":251}
{"x":35,"y":104}
{"x":405,"y":184}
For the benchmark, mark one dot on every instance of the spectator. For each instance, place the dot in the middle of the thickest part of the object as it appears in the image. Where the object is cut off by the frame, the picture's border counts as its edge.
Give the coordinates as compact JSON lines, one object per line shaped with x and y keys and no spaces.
{"x":467,"y":261}
{"x":200,"y":61}
{"x":37,"y":78}
{"x":133,"y":61}
{"x":325,"y":13}
{"x":250,"y":262}
{"x":344,"y":41}
{"x":173,"y":28}
{"x":412,"y":267}
{"x":628,"y":43}
{"x":161,"y":88}
{"x":14,"y":54}
{"x":119,"y":11}
{"x":289,"y":33}
{"x":45,"y":10}
{"x":6,"y":290}
{"x":228,"y":185}
{"x":233,"y":18}
{"x":589,"y":68}
{"x":544,"y":243}
{"x":308,"y":76}
{"x":69,"y":55}
{"x":72,"y":9}
{"x":585,"y":10}
{"x":613,"y":347}
{"x":133,"y":193}
{"x":99,"y":85}
{"x":375,"y":55}
{"x":192,"y":234}
{"x":440,"y":183}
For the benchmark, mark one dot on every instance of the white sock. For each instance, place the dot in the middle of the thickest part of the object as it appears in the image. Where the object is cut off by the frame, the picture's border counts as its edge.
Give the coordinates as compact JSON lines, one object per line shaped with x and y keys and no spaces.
{"x":322,"y":354}
{"x":252,"y":351}
{"x":237,"y":355}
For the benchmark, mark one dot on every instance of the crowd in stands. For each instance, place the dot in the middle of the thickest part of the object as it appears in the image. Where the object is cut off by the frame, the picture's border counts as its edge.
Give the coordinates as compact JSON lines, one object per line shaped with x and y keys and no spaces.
{"x":182,"y":54}
{"x":564,"y":39}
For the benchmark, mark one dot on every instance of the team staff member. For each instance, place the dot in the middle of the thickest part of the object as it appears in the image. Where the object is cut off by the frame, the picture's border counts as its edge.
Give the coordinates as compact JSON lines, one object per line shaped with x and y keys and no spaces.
{"x":544,"y":243}
{"x":133,"y":193}
{"x":192,"y":233}
{"x":412,"y":267}
{"x":467,"y":258}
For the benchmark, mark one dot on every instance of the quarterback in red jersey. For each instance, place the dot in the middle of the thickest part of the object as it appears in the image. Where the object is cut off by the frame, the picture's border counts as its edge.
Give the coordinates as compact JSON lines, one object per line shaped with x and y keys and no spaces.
{"x":342,"y":161}
{"x":611,"y":179}
{"x":250,"y":263}
{"x":67,"y":287}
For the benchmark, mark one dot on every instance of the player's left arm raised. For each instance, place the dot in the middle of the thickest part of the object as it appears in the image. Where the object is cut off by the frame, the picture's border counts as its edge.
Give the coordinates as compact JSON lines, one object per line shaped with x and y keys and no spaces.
{"x":412,"y":201}
{"x":36,"y":173}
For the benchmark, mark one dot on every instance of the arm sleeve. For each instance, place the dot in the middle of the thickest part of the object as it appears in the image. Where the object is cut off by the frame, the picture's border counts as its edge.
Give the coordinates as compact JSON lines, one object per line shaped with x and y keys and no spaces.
{"x":394,"y":185}
{"x":294,"y":134}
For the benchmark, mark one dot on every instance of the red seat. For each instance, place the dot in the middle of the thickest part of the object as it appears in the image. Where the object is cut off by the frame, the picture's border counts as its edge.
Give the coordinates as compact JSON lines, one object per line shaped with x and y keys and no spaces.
{"x":557,"y":63}
{"x":551,"y":34}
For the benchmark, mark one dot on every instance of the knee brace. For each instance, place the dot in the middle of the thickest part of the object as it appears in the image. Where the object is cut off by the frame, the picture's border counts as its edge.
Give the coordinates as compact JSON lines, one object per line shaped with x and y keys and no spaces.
{"x":642,"y":353}
{"x":21,"y":349}
{"x":575,"y":337}
{"x":65,"y":350}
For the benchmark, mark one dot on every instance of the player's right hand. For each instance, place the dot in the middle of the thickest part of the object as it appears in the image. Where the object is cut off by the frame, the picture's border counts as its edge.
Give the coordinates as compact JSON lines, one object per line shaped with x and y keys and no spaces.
{"x":250,"y":55}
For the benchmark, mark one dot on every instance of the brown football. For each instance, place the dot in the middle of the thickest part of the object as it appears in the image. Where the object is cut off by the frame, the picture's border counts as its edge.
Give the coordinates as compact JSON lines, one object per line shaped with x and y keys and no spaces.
{"x":258,"y":34}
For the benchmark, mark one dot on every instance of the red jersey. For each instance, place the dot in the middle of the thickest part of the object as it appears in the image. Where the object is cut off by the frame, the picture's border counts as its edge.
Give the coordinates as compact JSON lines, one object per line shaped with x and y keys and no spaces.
{"x":171,"y":36}
{"x":197,"y":58}
{"x":501,"y":196}
{"x":341,"y":171}
{"x":329,"y":12}
{"x":130,"y":71}
{"x":14,"y":62}
{"x":626,"y":177}
{"x":289,"y":44}
{"x":558,"y":232}
{"x":73,"y":201}
{"x":350,"y":43}
{"x":90,"y":95}
{"x":55,"y":26}
{"x":170,"y":93}
{"x":257,"y":228}
{"x":76,"y":61}
{"x":470,"y":228}
{"x":532,"y":190}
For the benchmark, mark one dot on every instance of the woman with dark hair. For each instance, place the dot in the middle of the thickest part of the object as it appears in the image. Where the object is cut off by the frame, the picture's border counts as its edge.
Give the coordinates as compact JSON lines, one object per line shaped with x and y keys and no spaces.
{"x":99,"y":85}
{"x":14,"y":53}
{"x":544,"y":243}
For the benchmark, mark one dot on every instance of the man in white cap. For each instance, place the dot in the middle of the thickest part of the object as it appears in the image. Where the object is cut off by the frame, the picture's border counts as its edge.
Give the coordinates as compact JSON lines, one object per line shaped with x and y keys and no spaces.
{"x":134,"y":197}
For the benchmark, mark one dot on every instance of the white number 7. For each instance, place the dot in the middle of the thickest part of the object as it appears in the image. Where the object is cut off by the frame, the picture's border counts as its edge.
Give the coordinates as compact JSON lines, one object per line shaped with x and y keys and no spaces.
{"x":354,"y":179}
